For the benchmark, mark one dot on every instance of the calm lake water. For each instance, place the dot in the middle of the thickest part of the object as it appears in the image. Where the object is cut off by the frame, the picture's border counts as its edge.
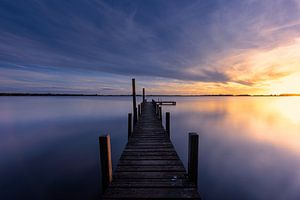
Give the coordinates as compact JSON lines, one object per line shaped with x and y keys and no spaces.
{"x":249,"y":146}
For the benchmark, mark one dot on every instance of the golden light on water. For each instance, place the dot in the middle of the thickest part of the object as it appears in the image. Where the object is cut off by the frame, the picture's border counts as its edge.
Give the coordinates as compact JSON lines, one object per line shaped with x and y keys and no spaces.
{"x":270,"y":120}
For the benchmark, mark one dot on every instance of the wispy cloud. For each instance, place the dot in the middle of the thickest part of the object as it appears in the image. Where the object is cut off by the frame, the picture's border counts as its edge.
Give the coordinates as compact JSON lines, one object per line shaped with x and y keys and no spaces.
{"x":211,"y":42}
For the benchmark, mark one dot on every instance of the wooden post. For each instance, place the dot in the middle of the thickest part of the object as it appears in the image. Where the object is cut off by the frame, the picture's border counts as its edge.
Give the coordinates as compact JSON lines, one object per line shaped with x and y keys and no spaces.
{"x":134,"y":102}
{"x":193,"y":157}
{"x":129,"y":125}
{"x":160,"y":113}
{"x":105,"y":158}
{"x":139,"y":110}
{"x":144,"y":95}
{"x":168,"y":123}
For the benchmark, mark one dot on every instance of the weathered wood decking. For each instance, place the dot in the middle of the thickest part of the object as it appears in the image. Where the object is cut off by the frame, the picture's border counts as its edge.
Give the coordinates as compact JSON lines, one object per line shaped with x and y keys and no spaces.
{"x":149,"y":167}
{"x":166,"y":103}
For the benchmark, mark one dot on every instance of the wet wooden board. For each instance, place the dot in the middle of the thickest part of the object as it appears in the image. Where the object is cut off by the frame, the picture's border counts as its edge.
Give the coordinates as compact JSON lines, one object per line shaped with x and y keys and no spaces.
{"x":149,"y":167}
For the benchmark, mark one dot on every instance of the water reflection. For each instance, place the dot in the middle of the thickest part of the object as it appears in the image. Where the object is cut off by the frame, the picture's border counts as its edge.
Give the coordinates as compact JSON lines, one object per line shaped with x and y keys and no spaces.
{"x":271,"y":120}
{"x":249,"y":147}
{"x":49,"y":145}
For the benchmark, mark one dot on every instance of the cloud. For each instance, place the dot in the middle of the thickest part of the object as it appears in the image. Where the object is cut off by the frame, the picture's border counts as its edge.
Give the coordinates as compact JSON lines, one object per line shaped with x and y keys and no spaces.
{"x":195,"y":41}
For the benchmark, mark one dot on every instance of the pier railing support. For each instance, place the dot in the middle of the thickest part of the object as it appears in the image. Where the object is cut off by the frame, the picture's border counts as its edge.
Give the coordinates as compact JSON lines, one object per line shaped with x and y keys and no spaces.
{"x":129,"y":125}
{"x":135,"y":110}
{"x":106,"y":163}
{"x":160,"y":113}
{"x":139,"y":111}
{"x":144,"y":95}
{"x":134,"y":102}
{"x":193,"y":157}
{"x":168,"y":123}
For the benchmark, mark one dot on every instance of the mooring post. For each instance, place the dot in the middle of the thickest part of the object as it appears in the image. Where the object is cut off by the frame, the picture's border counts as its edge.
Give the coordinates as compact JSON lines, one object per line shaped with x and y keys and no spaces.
{"x":136,"y":116}
{"x":139,"y":110}
{"x":160,"y":113}
{"x":134,"y":102}
{"x":105,"y":158}
{"x":144,"y":95}
{"x":129,"y":125}
{"x":168,"y":123}
{"x":193,"y":157}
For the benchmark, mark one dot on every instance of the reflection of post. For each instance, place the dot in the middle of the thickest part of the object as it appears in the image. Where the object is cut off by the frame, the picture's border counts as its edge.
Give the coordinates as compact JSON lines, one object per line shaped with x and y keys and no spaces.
{"x":193,"y":157}
{"x":134,"y":102}
{"x":168,"y":123}
{"x":105,"y":158}
{"x":129,"y":125}
{"x":144,"y":95}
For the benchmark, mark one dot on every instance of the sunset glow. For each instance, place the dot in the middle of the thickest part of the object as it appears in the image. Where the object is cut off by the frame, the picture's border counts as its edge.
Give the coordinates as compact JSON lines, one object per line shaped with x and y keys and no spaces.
{"x":278,"y":120}
{"x":196,"y":47}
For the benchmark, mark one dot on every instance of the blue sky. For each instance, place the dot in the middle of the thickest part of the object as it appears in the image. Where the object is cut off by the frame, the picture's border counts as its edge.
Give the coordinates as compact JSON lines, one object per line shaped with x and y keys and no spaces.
{"x":194,"y":47}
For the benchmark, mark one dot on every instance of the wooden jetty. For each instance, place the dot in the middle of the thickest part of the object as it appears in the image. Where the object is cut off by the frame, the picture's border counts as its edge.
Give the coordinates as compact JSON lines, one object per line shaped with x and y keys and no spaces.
{"x":165,"y":102}
{"x":149,"y":167}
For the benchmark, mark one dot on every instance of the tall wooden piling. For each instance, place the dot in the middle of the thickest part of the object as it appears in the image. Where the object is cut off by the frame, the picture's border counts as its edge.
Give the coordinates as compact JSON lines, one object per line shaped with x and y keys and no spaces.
{"x":136,"y":111}
{"x":129,"y":125}
{"x":139,"y":110}
{"x":144,"y":99}
{"x":106,"y":163}
{"x":193,"y":157}
{"x":160,"y":113}
{"x":168,"y":123}
{"x":134,"y":102}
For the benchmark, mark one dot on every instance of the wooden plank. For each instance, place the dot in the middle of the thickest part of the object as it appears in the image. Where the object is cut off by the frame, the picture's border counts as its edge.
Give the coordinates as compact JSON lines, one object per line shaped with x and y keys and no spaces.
{"x":143,"y":157}
{"x":150,"y":175}
{"x":149,"y":162}
{"x":153,"y":150}
{"x":141,"y":193}
{"x":147,"y":153}
{"x":149,"y":147}
{"x":150,"y":168}
{"x":150,"y":143}
{"x":181,"y":183}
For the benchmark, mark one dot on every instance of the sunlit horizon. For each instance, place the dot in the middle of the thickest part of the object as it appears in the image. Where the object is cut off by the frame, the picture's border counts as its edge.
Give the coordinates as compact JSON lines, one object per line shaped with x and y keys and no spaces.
{"x":170,"y":47}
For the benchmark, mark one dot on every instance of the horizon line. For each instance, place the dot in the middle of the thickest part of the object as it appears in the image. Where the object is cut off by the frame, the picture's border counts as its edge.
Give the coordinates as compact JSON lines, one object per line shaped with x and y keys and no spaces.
{"x":182,"y":95}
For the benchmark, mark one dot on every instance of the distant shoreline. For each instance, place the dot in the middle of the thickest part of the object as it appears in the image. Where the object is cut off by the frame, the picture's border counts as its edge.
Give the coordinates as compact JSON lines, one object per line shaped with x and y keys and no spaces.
{"x":128,"y":95}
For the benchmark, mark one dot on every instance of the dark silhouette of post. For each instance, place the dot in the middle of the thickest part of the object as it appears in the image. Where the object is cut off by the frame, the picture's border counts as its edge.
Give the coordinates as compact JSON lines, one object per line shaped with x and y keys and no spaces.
{"x":160,"y":113}
{"x":105,"y":158}
{"x":129,"y":125}
{"x":168,"y":123}
{"x":193,"y":157}
{"x":136,"y":111}
{"x":144,"y":95}
{"x":134,"y":102}
{"x":139,"y":110}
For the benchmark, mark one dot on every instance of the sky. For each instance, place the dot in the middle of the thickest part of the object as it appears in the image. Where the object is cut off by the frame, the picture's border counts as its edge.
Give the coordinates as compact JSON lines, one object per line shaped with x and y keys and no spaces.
{"x":169,"y":46}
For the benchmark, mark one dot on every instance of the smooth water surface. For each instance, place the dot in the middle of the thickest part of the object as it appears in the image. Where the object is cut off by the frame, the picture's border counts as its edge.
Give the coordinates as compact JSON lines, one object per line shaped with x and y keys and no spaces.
{"x":249,"y":146}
